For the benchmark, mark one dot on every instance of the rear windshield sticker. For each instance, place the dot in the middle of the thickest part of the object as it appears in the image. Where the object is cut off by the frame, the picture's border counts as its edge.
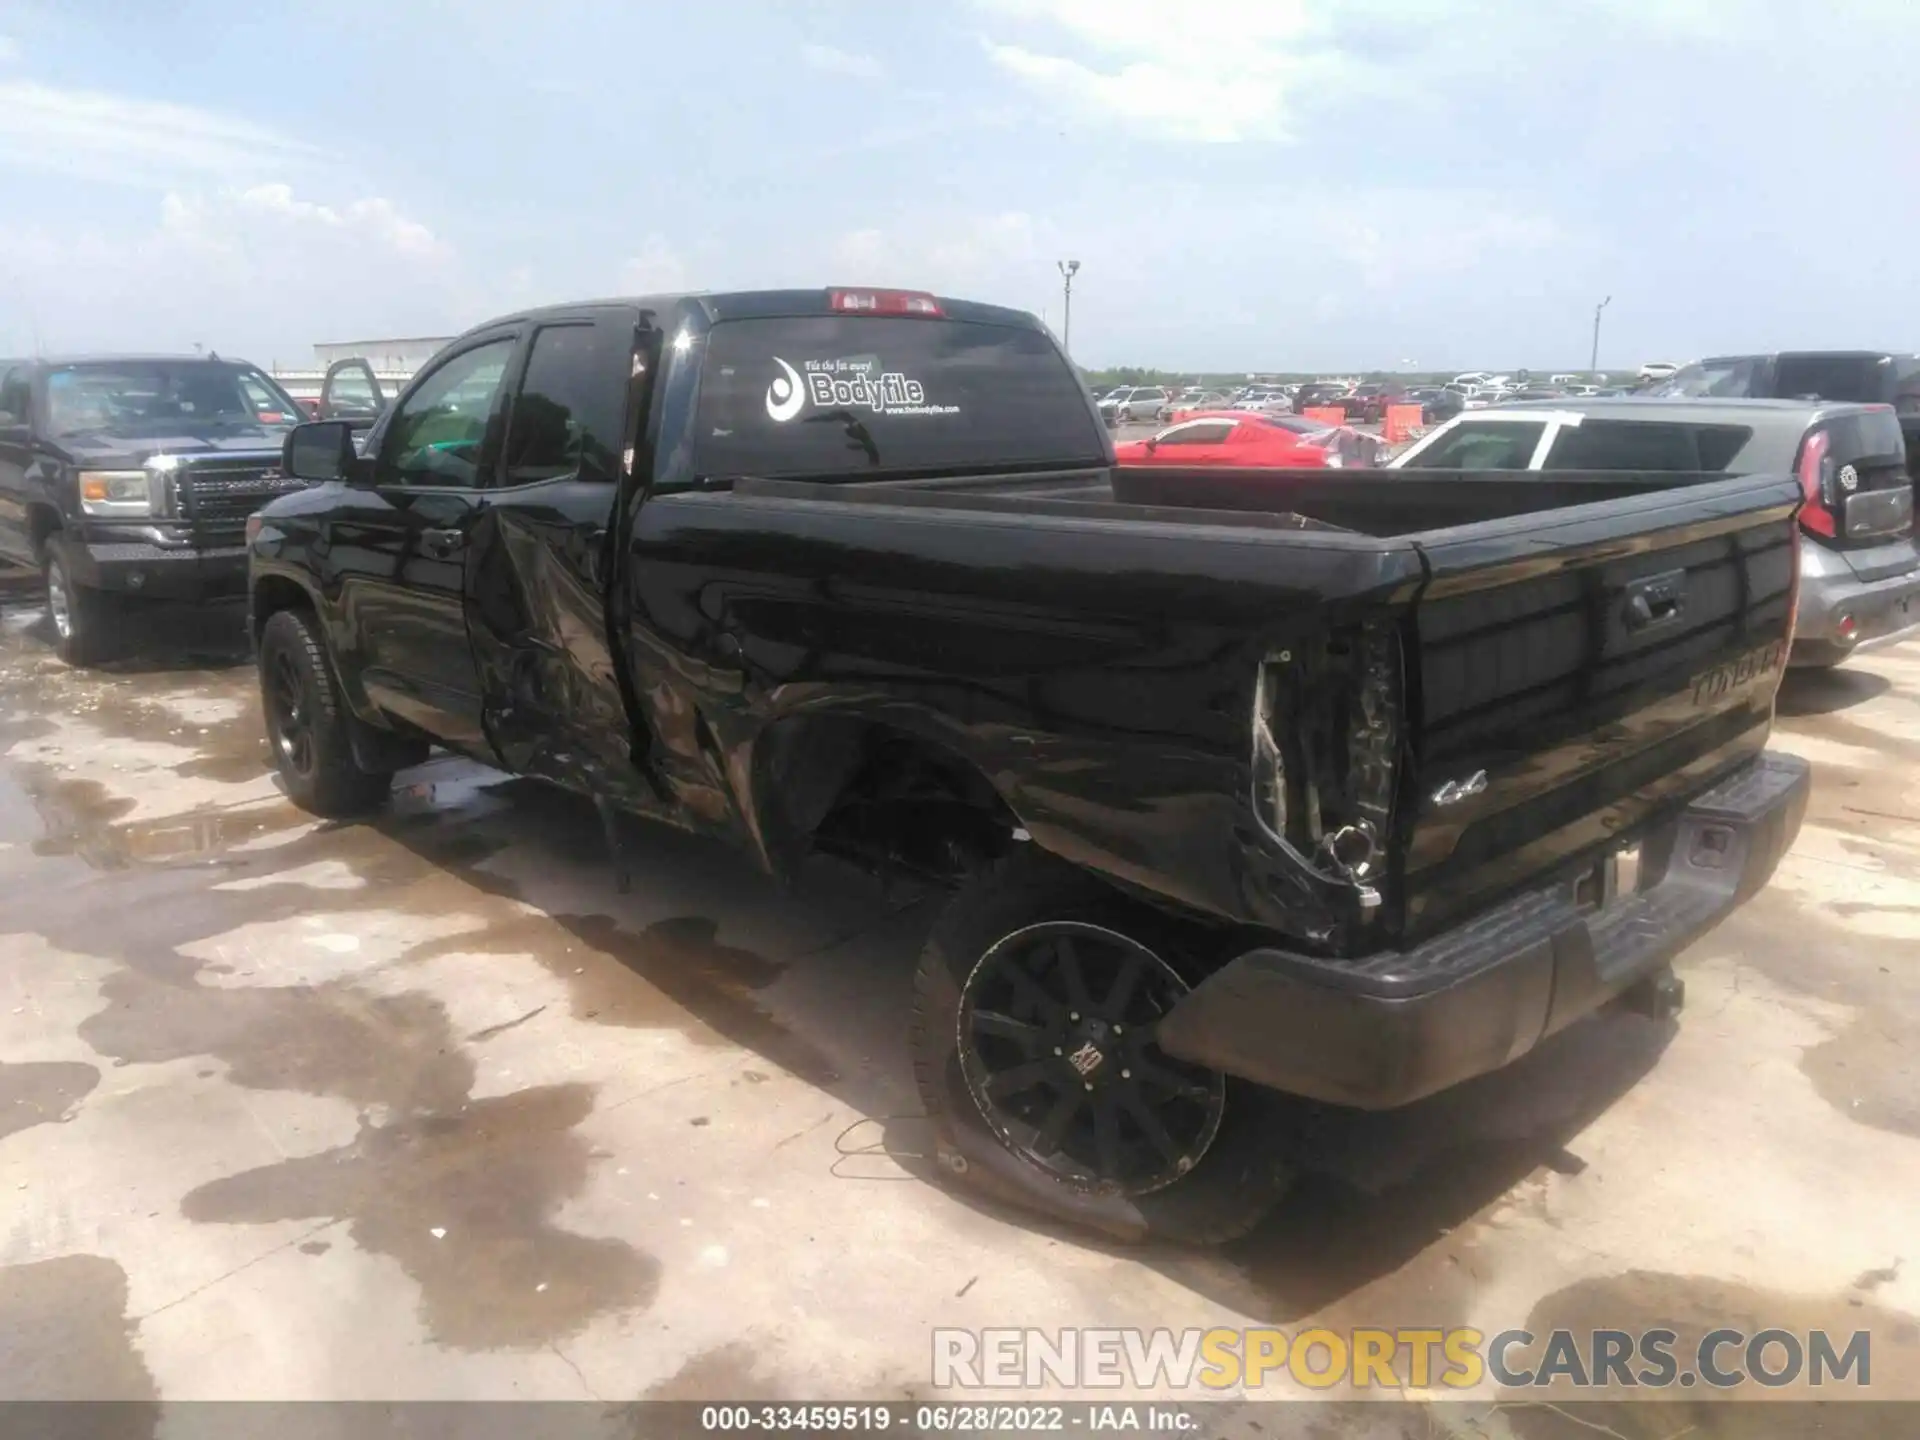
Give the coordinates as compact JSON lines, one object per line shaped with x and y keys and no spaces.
{"x":846,"y":384}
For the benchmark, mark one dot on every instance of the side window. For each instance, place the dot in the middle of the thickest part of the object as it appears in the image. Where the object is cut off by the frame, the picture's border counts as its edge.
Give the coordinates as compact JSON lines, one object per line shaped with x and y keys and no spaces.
{"x":1640,"y":445}
{"x":14,"y":396}
{"x":439,"y":431}
{"x":1211,"y":432}
{"x":567,"y":417}
{"x":1490,"y":445}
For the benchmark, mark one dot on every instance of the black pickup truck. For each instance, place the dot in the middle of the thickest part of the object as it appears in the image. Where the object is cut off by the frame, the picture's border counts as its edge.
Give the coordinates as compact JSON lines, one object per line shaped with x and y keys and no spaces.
{"x":1346,"y":784}
{"x":131,"y":478}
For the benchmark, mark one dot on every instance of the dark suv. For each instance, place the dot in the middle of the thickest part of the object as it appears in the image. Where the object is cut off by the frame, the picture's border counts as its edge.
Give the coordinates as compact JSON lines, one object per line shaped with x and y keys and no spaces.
{"x":1866,"y":377}
{"x":126,"y":477}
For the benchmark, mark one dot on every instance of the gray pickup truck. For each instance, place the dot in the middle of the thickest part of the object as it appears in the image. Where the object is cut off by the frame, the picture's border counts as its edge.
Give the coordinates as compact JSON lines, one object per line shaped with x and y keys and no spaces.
{"x":1859,"y":566}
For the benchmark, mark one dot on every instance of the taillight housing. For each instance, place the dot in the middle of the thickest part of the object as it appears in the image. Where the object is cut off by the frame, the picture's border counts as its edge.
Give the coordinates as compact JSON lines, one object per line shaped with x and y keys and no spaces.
{"x":1816,"y":485}
{"x":884,"y":302}
{"x":1327,"y":738}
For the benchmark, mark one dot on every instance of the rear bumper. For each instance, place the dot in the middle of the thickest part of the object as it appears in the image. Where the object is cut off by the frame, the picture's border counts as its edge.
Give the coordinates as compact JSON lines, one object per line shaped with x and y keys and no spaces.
{"x":163,"y":572}
{"x":1387,"y":1030}
{"x":1882,"y":611}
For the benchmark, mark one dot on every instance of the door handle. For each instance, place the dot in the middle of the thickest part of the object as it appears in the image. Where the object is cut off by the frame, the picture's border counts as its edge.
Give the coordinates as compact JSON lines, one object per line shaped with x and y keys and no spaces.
{"x":442,"y":543}
{"x":1656,"y":600}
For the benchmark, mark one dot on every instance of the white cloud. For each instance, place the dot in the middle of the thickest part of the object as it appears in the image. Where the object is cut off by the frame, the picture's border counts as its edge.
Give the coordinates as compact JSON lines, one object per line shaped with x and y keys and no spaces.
{"x":116,"y":138}
{"x":253,"y":271}
{"x":1234,"y":77}
{"x":841,"y":62}
{"x":655,"y":269}
{"x":9,"y":49}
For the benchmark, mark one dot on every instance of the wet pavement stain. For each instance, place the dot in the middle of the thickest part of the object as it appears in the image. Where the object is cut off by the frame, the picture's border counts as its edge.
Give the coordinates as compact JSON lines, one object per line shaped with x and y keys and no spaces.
{"x":733,"y":1370}
{"x":464,"y":1201}
{"x":1870,"y":1072}
{"x":397,"y":1051}
{"x":65,"y":1335}
{"x":1694,"y":1306}
{"x":42,"y":1092}
{"x":233,"y":769}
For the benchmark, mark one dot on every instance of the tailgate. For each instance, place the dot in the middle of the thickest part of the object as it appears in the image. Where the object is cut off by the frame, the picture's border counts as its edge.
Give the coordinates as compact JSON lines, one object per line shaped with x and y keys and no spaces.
{"x":1575,"y":673}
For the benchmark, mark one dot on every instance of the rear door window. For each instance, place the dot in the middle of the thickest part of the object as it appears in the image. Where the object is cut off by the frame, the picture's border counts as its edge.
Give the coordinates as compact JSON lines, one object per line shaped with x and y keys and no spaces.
{"x":1645,"y":445}
{"x":567,"y":418}
{"x":834,"y":395}
{"x":1484,"y":445}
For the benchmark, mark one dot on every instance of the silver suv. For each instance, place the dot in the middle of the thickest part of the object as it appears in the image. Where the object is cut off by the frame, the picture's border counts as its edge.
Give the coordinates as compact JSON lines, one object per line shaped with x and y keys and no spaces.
{"x":1136,"y":403}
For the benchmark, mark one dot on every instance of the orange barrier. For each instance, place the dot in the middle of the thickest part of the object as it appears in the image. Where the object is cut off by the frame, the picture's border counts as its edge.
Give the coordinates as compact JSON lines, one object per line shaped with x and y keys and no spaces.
{"x":1402,"y":421}
{"x":1328,"y":414}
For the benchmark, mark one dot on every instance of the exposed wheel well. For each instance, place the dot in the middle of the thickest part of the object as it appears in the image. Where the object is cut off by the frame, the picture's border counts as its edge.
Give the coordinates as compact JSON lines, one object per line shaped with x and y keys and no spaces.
{"x":273,"y":594}
{"x":42,"y":522}
{"x":881,"y":796}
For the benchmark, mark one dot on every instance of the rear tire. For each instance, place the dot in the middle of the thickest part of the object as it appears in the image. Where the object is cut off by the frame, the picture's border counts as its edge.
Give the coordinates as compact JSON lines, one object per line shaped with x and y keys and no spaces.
{"x":81,"y":618}
{"x":1213,"y":1171}
{"x":307,"y":723}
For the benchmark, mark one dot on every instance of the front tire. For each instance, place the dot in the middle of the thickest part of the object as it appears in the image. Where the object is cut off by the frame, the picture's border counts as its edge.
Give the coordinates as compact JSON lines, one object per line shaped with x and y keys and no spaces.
{"x":307,"y":723}
{"x":81,"y":618}
{"x":1036,"y":1001}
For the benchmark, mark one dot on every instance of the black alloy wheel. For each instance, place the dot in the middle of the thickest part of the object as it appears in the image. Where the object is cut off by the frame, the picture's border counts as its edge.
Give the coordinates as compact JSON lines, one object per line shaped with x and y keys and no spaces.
{"x":289,"y":718}
{"x":1055,"y":1041}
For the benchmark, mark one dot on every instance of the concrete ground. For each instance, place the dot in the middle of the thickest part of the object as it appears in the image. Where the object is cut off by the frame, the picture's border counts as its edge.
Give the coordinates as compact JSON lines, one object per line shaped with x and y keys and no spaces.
{"x":425,"y":1108}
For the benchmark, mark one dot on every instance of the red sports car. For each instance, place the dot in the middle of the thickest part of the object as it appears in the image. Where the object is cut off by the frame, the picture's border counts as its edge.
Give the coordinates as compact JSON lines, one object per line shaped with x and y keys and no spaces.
{"x":1239,"y":437}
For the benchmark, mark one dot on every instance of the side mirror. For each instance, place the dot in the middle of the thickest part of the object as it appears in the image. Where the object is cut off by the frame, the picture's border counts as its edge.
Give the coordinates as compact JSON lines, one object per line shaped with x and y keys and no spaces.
{"x":321,"y":450}
{"x":1153,"y":443}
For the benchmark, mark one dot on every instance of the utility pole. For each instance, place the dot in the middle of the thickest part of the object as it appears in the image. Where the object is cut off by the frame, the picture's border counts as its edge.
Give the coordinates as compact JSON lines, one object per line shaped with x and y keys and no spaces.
{"x":1593,"y":360}
{"x":1068,"y":269}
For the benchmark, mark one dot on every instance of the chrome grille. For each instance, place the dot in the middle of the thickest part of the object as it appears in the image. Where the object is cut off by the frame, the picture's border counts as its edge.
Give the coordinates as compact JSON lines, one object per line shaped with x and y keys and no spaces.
{"x":222,"y":494}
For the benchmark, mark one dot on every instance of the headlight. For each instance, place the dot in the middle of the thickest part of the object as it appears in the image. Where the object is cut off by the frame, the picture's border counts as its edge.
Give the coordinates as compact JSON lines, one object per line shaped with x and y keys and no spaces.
{"x":116,"y":492}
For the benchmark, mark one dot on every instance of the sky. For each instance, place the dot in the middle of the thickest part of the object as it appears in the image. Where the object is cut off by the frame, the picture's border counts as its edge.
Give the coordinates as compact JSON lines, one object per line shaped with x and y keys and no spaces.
{"x":1282,"y":184}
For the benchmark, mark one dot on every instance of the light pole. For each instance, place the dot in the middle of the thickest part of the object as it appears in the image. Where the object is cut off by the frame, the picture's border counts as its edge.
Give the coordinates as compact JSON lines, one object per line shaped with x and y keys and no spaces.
{"x":1068,"y":268}
{"x":1593,"y":360}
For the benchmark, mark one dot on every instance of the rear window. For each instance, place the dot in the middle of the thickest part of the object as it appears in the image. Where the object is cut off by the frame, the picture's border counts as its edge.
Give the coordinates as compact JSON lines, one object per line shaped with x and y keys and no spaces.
{"x":1866,"y":379}
{"x":838,"y":395}
{"x":1483,"y":445}
{"x":1646,"y":445}
{"x":1737,"y":377}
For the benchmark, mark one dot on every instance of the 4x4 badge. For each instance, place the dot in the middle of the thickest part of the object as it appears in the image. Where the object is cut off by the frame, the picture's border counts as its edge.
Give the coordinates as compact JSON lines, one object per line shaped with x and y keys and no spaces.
{"x":1454,"y":791}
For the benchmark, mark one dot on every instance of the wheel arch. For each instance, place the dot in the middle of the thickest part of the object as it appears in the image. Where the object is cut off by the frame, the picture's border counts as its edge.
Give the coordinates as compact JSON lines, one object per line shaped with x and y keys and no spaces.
{"x":881,"y":790}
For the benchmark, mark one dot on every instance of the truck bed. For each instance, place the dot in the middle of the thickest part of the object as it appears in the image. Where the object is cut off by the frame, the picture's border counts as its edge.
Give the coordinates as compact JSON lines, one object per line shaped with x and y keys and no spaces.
{"x":1377,"y":504}
{"x":1572,"y":656}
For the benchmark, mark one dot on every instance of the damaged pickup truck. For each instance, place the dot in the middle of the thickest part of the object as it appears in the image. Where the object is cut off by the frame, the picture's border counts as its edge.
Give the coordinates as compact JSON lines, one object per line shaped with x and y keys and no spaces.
{"x":1348,"y":785}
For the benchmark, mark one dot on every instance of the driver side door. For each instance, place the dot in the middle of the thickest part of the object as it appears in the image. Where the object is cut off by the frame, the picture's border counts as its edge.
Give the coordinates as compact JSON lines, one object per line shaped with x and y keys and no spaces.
{"x":395,"y":548}
{"x":351,"y":392}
